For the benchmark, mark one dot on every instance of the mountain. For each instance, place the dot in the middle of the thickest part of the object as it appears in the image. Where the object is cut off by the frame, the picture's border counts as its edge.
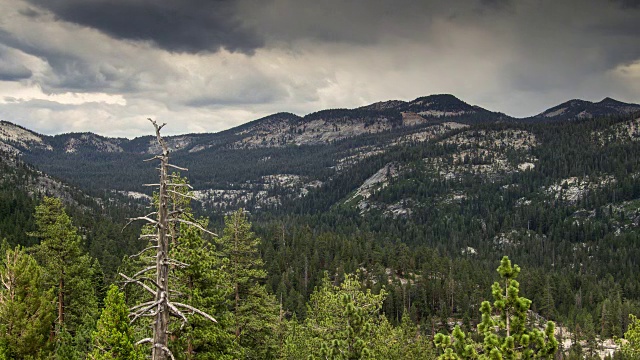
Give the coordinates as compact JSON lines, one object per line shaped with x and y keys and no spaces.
{"x":14,"y":139}
{"x":420,"y":197}
{"x":581,"y":109}
{"x":280,"y":158}
{"x":321,"y":127}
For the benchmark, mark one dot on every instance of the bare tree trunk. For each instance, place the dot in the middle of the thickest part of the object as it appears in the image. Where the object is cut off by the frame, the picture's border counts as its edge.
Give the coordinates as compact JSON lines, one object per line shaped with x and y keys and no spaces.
{"x":161,"y":307}
{"x":506,"y":294}
{"x":236,"y":282}
{"x":61,"y":302}
{"x":161,"y":324}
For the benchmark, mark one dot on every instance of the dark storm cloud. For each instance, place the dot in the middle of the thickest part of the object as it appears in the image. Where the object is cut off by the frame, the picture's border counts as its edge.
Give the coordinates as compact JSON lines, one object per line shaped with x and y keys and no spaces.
{"x":70,"y":72}
{"x":496,"y":4}
{"x":358,"y":22}
{"x":13,"y":72}
{"x":629,"y":3}
{"x":180,"y":26}
{"x":11,"y":67}
{"x":30,"y":12}
{"x":10,"y":71}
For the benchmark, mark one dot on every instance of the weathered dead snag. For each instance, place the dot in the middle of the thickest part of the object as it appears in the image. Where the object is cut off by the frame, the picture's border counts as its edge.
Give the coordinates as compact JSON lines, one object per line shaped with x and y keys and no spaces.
{"x":161,"y":307}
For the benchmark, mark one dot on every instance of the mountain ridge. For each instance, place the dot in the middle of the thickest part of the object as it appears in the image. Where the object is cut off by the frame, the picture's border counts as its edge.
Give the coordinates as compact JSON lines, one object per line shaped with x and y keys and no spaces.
{"x":320,"y":127}
{"x":576,"y":109}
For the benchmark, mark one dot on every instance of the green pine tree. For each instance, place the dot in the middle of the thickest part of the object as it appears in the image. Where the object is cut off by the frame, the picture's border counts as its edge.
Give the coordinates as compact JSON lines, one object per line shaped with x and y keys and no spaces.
{"x":202,"y":284}
{"x":114,"y":338}
{"x":69,"y":271}
{"x":505,"y":336}
{"x":343,"y":322}
{"x":26,"y":309}
{"x":254,"y":311}
{"x":630,"y":347}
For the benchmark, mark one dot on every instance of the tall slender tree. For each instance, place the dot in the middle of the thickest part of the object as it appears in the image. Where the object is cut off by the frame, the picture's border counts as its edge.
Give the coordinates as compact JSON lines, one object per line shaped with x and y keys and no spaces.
{"x":203,"y":284}
{"x":69,"y":271}
{"x":505,"y":337}
{"x":254,"y":310}
{"x":26,"y":308}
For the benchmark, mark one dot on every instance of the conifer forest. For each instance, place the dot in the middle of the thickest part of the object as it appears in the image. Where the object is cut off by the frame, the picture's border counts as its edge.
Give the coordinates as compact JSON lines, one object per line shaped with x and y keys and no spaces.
{"x":448,"y":248}
{"x":319,"y":180}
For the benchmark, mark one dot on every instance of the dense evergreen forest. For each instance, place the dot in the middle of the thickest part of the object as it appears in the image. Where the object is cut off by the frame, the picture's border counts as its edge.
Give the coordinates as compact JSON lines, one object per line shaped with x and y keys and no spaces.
{"x":333,"y":274}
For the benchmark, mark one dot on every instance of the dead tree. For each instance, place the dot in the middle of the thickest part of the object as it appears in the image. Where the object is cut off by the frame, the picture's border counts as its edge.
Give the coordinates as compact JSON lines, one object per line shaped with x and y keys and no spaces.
{"x":161,"y":307}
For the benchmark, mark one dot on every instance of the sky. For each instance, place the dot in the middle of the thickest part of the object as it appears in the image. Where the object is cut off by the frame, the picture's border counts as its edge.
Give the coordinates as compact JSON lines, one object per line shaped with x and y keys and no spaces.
{"x":105,"y":66}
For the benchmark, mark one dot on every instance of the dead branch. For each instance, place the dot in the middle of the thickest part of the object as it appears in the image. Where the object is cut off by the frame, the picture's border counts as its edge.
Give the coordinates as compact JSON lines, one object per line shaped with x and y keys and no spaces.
{"x":141,"y":305}
{"x":157,"y":157}
{"x":142,"y":312}
{"x":145,"y":340}
{"x":165,"y":349}
{"x":177,"y":313}
{"x":130,"y":280}
{"x":180,"y":185}
{"x":142,"y":252}
{"x":178,"y":167}
{"x":177,"y":263}
{"x":196,"y":225}
{"x":194,"y":310}
{"x":147,"y":269}
{"x":183,"y":195}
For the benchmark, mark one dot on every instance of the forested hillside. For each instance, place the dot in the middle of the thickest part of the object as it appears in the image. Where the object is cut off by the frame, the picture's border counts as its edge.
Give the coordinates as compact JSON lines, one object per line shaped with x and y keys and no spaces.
{"x":362,"y":243}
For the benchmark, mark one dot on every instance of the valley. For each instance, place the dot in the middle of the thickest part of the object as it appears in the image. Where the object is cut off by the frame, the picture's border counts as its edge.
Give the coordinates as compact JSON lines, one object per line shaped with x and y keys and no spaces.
{"x":422,"y":197}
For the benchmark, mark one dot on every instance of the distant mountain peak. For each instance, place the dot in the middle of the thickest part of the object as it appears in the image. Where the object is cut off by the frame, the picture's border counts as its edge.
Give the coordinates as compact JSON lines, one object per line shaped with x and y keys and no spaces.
{"x":14,"y":138}
{"x":579,"y":109}
{"x":438,"y":99}
{"x":613,"y":102}
{"x":384,"y":105}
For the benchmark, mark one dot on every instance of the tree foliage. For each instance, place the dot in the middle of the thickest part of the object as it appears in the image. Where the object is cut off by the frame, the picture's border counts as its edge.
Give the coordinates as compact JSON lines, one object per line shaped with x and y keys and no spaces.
{"x":26,"y":307}
{"x":504,"y":337}
{"x":254,"y":311}
{"x":114,"y":336}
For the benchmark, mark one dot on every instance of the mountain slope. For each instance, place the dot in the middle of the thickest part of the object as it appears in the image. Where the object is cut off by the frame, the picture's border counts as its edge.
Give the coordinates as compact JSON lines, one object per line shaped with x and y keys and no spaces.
{"x":245,"y":166}
{"x":581,"y":109}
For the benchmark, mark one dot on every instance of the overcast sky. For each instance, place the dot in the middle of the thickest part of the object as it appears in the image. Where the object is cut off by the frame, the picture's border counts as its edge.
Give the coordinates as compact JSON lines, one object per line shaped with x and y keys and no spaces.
{"x":208,"y":65}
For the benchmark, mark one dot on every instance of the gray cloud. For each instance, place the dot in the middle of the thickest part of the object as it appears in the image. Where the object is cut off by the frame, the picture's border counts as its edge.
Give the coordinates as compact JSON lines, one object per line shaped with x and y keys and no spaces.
{"x":496,"y":4}
{"x":214,"y":64}
{"x":11,"y":67}
{"x":628,"y":3}
{"x":12,"y":72}
{"x":181,"y":26}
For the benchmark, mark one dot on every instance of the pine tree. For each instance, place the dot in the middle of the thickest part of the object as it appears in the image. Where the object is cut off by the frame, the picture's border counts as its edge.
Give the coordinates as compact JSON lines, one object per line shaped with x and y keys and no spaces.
{"x":505,"y":337}
{"x":67,"y":267}
{"x":631,"y":346}
{"x":203,"y":284}
{"x":254,"y":310}
{"x":69,"y":271}
{"x":343,"y":322}
{"x":26,"y":309}
{"x":113,"y":338}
